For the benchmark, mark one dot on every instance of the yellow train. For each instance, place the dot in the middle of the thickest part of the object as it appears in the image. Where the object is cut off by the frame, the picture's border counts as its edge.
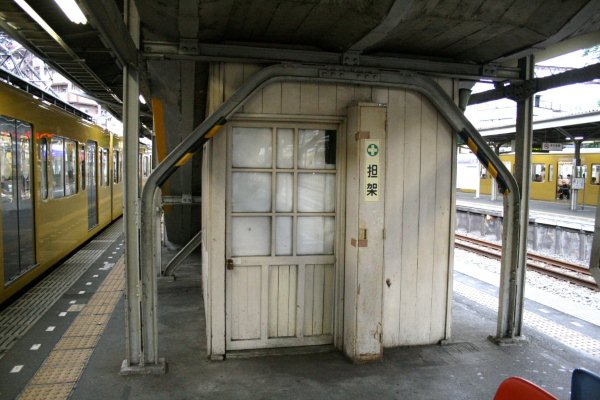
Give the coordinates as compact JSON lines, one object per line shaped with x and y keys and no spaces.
{"x":552,"y":176}
{"x":61,"y":183}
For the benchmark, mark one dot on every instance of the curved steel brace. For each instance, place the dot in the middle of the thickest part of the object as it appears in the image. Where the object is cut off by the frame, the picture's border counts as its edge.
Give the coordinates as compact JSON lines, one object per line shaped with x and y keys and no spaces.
{"x":304,"y":73}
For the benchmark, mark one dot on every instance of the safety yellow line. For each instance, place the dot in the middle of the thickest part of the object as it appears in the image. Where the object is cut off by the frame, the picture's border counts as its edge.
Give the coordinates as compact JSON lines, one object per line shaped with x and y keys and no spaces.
{"x":59,"y":373}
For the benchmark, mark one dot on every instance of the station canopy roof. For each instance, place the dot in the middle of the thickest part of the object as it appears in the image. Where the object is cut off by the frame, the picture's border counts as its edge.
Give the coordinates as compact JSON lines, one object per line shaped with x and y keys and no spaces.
{"x":564,"y":130}
{"x":469,"y":38}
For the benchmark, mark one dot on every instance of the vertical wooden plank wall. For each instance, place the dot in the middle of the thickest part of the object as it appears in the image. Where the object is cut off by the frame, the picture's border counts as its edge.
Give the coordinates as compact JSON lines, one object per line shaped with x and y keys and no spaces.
{"x":419,"y":221}
{"x":418,"y":202}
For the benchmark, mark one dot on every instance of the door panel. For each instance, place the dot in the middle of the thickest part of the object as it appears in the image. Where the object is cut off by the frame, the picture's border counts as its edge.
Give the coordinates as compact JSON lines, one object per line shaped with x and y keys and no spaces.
{"x":17,"y":199}
{"x":281,"y":236}
{"x":246,"y":288}
{"x":318,"y":304}
{"x":10,"y":218}
{"x":283,"y":282}
{"x":91,"y":184}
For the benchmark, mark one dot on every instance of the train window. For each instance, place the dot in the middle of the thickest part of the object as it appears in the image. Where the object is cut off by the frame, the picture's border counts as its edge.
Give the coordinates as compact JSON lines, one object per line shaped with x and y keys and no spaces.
{"x":595,"y":175}
{"x":57,"y":162}
{"x":24,"y":161}
{"x":538,"y":172}
{"x":6,"y":164}
{"x":116,"y":174}
{"x":82,"y":165}
{"x":44,"y":160}
{"x":70,"y":167}
{"x":551,"y":173}
{"x":104,"y":167}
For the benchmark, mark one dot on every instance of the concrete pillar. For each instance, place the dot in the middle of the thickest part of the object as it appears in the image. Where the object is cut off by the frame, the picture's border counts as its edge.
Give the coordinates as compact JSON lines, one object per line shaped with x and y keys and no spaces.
{"x":363,"y":305}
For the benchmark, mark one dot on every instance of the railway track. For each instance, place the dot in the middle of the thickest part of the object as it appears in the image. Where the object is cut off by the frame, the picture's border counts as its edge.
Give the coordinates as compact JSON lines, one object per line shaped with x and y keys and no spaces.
{"x":559,"y":269}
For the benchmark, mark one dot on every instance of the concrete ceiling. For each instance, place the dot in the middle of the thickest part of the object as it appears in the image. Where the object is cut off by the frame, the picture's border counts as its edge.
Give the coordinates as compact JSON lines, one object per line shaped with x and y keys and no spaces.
{"x":453,"y":37}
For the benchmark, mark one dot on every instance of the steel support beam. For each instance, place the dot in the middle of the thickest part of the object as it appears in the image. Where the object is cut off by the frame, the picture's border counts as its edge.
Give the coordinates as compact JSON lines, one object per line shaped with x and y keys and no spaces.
{"x":105,"y":16}
{"x":524,"y":89}
{"x":302,"y":73}
{"x":140,"y":299}
{"x":512,"y":274}
{"x":249,"y":54}
{"x":576,"y":174}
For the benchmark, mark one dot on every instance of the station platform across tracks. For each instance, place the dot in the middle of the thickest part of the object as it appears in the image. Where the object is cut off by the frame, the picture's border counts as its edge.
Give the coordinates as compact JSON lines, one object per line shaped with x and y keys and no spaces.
{"x":558,"y":211}
{"x":73,"y":344}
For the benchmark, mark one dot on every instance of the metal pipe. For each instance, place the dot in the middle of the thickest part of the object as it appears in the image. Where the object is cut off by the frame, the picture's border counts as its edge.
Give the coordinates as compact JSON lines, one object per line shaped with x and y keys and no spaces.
{"x":301,"y":73}
{"x":182,"y":254}
{"x":575,"y":174}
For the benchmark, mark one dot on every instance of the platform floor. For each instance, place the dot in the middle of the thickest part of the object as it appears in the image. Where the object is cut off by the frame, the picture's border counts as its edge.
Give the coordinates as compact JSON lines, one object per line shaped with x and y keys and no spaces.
{"x":552,"y":210}
{"x":470,"y":367}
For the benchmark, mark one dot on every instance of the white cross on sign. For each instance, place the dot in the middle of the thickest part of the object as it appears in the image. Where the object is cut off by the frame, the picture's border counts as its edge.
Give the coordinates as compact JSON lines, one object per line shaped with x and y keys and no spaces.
{"x":372,"y":150}
{"x":371,"y":184}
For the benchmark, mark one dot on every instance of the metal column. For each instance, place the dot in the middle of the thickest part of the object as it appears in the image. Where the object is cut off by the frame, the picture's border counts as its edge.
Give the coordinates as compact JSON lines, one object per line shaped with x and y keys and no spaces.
{"x":141,"y":354}
{"x":512,"y":275}
{"x":494,"y":194}
{"x":575,"y":174}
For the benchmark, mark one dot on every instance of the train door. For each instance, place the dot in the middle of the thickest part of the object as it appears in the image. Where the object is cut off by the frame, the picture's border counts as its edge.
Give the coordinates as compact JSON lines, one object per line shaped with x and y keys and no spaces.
{"x":17,"y":198}
{"x":280,"y":230}
{"x":91,"y":183}
{"x":563,"y":180}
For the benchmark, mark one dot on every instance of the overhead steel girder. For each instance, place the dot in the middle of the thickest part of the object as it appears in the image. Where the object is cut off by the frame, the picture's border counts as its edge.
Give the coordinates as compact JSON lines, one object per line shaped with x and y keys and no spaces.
{"x":192,"y":50}
{"x":106,"y":17}
{"x":522,"y":90}
{"x":301,"y":73}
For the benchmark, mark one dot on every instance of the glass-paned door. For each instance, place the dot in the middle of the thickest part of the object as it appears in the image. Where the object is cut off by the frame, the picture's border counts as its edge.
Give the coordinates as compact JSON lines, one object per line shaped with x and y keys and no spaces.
{"x":17,"y":198}
{"x":281,"y":236}
{"x":91,"y":183}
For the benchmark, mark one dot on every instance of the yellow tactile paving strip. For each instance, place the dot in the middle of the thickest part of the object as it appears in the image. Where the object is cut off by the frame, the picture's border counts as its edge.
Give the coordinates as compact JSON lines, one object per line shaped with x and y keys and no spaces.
{"x":60,"y":372}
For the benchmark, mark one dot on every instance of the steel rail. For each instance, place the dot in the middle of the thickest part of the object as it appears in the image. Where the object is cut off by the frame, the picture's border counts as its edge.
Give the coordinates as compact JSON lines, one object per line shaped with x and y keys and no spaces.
{"x":550,"y":266}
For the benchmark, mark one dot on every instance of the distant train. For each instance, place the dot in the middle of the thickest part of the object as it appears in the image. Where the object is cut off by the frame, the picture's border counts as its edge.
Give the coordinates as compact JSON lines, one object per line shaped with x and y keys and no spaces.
{"x":552,"y":175}
{"x":61,"y":182}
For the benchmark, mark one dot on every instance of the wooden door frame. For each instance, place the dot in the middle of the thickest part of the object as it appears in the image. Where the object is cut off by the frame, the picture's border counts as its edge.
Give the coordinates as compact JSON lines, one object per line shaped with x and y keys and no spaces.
{"x":296,"y":121}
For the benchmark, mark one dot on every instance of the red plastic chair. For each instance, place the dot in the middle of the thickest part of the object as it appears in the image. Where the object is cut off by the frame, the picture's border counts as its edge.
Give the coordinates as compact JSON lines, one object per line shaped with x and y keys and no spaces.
{"x":515,"y":388}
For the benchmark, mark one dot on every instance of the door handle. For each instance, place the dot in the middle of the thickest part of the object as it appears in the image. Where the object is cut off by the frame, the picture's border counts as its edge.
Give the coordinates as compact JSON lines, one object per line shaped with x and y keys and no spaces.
{"x":230,"y":264}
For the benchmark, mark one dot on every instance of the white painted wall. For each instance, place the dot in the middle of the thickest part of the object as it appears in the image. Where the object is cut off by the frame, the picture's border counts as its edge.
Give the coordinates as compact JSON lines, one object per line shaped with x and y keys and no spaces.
{"x":419,"y":198}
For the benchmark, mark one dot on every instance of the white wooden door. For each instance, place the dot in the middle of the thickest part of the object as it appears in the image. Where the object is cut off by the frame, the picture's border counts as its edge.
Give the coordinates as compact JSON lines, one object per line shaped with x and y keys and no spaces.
{"x":281,"y":218}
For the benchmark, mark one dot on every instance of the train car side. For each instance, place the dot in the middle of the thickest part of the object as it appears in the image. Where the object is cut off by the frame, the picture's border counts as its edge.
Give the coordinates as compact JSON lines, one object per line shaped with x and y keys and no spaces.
{"x":58,"y":188}
{"x":551,"y":176}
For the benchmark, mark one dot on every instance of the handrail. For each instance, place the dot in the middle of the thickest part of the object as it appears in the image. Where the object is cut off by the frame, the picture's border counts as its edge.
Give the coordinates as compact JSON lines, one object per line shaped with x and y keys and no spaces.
{"x":182,"y":254}
{"x":312,"y":73}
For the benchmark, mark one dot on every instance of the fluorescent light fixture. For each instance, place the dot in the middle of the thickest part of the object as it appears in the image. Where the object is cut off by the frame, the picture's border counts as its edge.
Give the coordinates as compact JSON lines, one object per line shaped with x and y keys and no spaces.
{"x":142,"y":99}
{"x":72,"y":11}
{"x":578,"y":138}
